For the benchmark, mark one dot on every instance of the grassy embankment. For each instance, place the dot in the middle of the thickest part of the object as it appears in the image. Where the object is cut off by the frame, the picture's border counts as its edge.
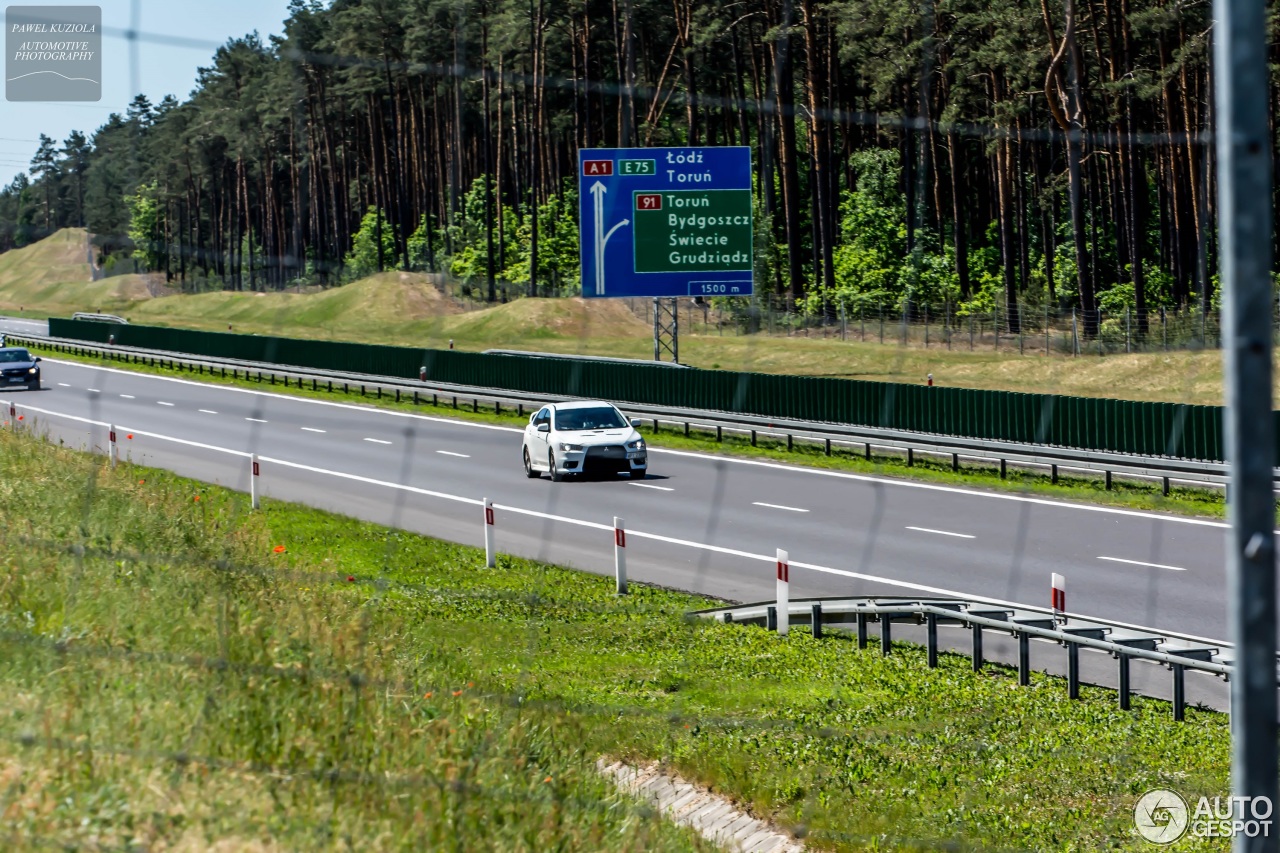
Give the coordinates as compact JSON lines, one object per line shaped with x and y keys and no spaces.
{"x":51,"y":277}
{"x":180,"y":671}
{"x":1132,"y":494}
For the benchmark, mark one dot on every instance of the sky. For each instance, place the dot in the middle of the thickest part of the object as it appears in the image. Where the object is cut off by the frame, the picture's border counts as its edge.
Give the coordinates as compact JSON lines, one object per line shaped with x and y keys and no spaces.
{"x":178,"y":36}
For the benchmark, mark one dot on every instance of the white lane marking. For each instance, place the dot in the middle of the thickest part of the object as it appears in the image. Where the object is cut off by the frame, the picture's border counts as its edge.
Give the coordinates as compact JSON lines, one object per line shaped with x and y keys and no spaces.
{"x":779,"y":506}
{"x":377,"y":441}
{"x":256,"y":420}
{"x":311,"y":429}
{"x":733,"y":552}
{"x":63,"y":385}
{"x":451,"y":453}
{"x":1140,"y":563}
{"x":941,"y":532}
{"x":128,"y":396}
{"x":651,"y":486}
{"x":163,"y":403}
{"x":93,"y":390}
{"x":711,"y":457}
{"x":208,"y":412}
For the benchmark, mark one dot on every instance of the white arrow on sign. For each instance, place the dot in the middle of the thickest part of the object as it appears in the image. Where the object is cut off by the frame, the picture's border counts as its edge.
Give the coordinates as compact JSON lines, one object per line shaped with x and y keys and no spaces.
{"x":598,"y":190}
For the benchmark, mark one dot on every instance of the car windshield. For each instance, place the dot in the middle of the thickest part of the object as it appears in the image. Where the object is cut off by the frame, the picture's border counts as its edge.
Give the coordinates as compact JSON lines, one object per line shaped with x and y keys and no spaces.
{"x":13,"y":356}
{"x":604,"y":417}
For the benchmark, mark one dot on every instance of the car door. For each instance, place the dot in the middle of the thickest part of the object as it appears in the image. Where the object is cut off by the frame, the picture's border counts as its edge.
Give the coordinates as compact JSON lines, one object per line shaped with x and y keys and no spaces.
{"x":540,"y":440}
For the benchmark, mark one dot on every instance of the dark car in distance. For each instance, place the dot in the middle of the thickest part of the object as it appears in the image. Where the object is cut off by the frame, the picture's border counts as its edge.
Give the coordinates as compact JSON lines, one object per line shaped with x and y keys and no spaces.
{"x":19,"y":368}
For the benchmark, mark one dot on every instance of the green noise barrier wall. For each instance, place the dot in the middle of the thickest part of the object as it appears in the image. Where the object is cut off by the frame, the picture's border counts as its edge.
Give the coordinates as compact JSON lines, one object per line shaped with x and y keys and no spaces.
{"x":1154,"y":429}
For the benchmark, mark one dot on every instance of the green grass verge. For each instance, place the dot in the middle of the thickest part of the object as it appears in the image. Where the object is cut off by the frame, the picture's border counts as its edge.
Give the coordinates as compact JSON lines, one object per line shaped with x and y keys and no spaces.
{"x":181,"y":671}
{"x":1125,"y":493}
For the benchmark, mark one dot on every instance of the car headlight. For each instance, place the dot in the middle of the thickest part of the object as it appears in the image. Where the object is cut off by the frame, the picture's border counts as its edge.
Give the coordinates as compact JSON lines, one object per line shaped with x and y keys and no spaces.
{"x":636,"y":445}
{"x":570,"y":448}
{"x":34,"y":370}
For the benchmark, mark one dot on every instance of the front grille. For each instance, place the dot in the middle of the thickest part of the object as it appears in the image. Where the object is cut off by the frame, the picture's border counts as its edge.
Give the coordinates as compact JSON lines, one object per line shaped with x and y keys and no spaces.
{"x":20,"y":371}
{"x":607,"y":451}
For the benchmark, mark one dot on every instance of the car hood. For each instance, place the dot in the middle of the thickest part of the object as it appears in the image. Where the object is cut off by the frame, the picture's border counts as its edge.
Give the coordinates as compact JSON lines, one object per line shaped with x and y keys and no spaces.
{"x":599,"y":436}
{"x":17,"y":365}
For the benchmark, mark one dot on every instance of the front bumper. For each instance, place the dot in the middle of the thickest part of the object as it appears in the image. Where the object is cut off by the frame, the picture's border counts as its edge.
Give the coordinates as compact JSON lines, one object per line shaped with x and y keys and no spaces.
{"x":602,"y":459}
{"x":17,"y":379}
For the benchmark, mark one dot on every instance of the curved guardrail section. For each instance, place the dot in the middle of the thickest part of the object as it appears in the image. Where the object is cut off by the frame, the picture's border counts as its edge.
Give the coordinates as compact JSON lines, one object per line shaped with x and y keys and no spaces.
{"x":1124,"y":642}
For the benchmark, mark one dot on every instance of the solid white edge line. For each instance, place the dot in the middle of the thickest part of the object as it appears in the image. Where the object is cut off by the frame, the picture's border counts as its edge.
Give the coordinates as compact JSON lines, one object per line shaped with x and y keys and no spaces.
{"x":651,"y":486}
{"x":451,"y":453}
{"x":208,"y":412}
{"x":1140,"y":563}
{"x":733,"y":552}
{"x":256,"y":420}
{"x":377,"y":441}
{"x":94,"y":390}
{"x":128,"y":396}
{"x":63,"y":385}
{"x":864,"y":478}
{"x":162,"y":403}
{"x":779,"y":506}
{"x":312,"y":429}
{"x":941,"y":532}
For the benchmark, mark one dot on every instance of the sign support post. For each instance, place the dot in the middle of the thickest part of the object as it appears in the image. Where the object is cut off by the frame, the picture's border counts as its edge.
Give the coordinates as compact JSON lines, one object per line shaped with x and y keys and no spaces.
{"x":666,"y":329}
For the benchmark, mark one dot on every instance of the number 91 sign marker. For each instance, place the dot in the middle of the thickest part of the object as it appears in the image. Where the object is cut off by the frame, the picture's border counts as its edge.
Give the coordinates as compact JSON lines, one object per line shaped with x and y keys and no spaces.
{"x":665,"y":221}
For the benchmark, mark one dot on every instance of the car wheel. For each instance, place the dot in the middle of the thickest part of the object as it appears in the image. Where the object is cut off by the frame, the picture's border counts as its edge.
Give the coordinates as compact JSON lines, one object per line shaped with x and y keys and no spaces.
{"x":34,"y":386}
{"x":528,"y":467}
{"x":556,"y":476}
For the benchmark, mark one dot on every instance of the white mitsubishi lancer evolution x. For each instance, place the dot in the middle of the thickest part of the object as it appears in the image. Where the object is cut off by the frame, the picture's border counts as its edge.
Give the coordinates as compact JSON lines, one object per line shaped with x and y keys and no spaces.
{"x":583,"y":438}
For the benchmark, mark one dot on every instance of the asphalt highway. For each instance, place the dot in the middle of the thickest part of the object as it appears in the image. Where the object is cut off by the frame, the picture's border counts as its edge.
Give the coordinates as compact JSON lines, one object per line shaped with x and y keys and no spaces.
{"x":698,"y":522}
{"x":16,"y":326}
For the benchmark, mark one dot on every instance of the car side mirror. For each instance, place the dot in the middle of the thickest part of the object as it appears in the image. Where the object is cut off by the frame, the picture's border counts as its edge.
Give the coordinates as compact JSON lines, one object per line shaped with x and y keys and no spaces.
{"x":635,"y":422}
{"x":544,"y":427}
{"x":38,"y":358}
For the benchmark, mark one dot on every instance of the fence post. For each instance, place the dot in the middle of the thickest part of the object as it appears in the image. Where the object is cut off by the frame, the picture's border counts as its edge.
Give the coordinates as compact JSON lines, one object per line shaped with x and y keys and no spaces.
{"x":1127,"y":345}
{"x":784,"y":591}
{"x":620,"y":555}
{"x":971,"y":333}
{"x":111,"y":444}
{"x":1075,"y":335}
{"x":489,"y":560}
{"x":254,"y":470}
{"x":931,"y":625}
{"x":1124,"y":682}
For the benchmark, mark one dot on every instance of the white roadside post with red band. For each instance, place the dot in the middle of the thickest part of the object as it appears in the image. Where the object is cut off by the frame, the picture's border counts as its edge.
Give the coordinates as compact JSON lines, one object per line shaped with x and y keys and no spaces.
{"x":620,"y":554}
{"x":112,"y":452}
{"x":1058,"y":588}
{"x":253,"y":480}
{"x":784,"y":591}
{"x":489,"y":557}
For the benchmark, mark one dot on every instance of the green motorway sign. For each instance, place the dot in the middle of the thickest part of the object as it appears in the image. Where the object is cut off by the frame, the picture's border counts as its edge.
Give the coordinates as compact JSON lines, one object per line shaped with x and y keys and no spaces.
{"x":693,"y":230}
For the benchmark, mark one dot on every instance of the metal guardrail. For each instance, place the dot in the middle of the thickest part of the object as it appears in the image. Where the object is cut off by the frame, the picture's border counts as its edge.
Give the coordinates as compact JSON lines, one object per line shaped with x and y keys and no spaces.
{"x":1165,"y":470}
{"x":1123,"y":642}
{"x":560,"y":356}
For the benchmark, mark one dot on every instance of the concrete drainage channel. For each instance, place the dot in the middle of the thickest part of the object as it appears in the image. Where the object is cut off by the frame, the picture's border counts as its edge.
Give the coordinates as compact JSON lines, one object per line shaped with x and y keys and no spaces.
{"x":712,"y":816}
